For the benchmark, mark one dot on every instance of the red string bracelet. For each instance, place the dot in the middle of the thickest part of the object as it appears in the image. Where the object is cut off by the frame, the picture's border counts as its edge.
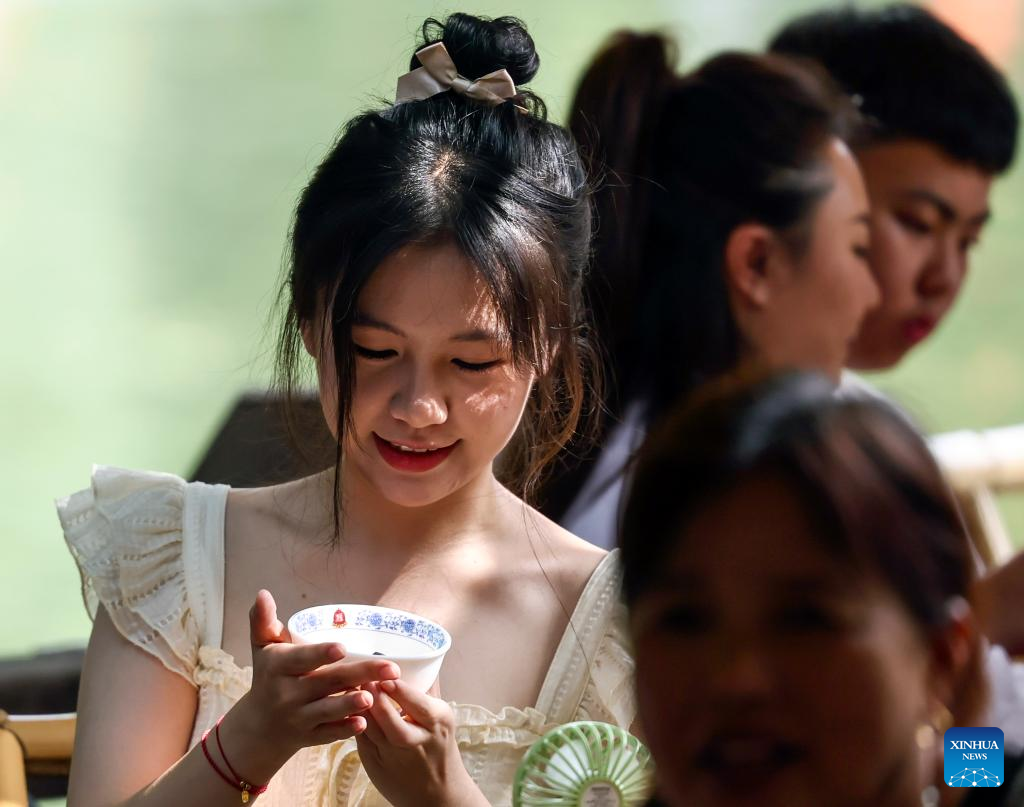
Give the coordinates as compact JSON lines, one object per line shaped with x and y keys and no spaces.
{"x":242,"y":786}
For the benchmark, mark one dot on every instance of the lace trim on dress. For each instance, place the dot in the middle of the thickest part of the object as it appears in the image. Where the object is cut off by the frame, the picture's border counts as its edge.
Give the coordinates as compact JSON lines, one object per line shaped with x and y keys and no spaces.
{"x":125,"y":534}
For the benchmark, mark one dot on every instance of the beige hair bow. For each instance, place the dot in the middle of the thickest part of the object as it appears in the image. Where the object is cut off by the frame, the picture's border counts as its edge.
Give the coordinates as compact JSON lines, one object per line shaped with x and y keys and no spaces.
{"x":439,"y":74}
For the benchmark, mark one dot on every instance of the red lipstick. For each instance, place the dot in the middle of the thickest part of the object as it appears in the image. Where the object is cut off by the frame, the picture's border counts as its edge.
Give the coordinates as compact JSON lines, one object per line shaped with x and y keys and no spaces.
{"x":917,"y":329}
{"x":416,"y":461}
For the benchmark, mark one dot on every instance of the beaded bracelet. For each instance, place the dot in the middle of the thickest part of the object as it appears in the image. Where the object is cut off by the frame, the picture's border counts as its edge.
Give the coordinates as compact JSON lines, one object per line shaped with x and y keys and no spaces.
{"x":243,"y":787}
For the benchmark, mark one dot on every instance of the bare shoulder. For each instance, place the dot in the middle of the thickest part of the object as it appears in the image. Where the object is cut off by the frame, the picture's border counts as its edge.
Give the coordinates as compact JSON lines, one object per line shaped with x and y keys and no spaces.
{"x":256,"y":517}
{"x":567,"y":560}
{"x":575,"y":552}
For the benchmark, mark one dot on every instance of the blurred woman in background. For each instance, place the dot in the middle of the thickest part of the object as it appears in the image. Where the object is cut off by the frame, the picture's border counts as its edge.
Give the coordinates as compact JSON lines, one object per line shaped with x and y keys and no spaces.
{"x":731,"y":228}
{"x":941,"y":128}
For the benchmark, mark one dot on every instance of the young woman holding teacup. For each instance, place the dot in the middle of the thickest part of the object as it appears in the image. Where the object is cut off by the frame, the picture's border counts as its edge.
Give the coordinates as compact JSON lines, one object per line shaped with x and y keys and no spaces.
{"x":435,"y":281}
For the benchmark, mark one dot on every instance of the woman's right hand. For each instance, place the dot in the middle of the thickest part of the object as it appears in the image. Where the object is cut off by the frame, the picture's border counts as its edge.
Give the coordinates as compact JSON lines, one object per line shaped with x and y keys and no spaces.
{"x":301,"y":695}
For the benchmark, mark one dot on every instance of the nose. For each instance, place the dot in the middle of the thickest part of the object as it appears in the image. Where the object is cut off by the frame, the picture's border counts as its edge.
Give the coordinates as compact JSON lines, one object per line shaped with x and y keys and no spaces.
{"x":743,"y":671}
{"x":944,"y":272}
{"x":419,"y":399}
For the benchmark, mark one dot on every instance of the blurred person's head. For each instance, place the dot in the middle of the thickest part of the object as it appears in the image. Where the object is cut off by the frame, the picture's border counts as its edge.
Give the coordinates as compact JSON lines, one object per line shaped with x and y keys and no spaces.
{"x":435,"y":279}
{"x":731,"y":216}
{"x":798,"y":582}
{"x":941,"y":125}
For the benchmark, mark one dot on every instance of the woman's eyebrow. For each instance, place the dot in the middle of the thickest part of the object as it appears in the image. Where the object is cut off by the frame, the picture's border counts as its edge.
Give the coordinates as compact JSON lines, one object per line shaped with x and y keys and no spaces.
{"x":945,"y":208}
{"x":475,"y":335}
{"x":674,"y":581}
{"x":814,"y":584}
{"x":364,"y":320}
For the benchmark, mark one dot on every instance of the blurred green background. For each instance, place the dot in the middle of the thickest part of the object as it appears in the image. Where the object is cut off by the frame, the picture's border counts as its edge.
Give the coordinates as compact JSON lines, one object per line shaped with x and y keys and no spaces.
{"x":151,"y":155}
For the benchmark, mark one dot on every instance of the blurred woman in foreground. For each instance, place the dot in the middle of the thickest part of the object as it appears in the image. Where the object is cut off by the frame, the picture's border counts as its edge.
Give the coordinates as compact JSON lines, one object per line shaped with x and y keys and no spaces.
{"x":800,"y":585}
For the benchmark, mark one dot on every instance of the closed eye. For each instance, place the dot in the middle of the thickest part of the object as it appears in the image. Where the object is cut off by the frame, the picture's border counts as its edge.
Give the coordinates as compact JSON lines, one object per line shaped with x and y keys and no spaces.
{"x":476,"y":367}
{"x":914,"y":224}
{"x":803,"y":618}
{"x":374,"y":355}
{"x":685,"y":619}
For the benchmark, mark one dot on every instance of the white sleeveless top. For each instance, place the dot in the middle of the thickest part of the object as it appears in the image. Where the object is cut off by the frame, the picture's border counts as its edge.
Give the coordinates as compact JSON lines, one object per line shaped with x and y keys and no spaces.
{"x":150,"y":548}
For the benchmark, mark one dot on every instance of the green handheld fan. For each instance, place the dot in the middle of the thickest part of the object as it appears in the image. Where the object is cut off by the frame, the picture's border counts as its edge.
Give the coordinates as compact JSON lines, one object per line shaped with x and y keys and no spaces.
{"x":584,"y":764}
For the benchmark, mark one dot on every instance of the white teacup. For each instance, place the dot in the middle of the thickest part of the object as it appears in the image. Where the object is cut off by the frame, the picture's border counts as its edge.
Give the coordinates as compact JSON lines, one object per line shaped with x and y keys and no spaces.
{"x":413,"y":642}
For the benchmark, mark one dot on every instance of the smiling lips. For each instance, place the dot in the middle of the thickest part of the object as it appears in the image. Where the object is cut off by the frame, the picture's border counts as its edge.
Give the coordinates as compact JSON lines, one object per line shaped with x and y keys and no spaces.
{"x":746,"y":762}
{"x":917,"y":329}
{"x":405,"y":457}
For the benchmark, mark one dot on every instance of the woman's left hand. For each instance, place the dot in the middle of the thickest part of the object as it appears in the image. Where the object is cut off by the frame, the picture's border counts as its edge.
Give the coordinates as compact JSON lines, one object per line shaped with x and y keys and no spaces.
{"x":412,"y":758}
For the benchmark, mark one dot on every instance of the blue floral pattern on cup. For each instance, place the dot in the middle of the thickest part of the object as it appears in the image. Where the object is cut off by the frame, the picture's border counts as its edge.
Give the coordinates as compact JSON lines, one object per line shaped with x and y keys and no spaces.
{"x":308,"y":622}
{"x":385,"y":621}
{"x":401,"y":625}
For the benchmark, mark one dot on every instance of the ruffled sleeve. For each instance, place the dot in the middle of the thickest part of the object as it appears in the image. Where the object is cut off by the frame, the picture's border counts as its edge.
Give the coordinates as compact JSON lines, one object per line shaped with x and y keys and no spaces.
{"x":125,"y":533}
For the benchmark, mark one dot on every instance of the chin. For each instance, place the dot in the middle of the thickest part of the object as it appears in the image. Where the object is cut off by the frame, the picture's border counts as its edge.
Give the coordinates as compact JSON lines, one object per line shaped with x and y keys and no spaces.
{"x":876,"y":359}
{"x":414,"y":493}
{"x":883,"y":348}
{"x":874,"y":363}
{"x":785,"y":794}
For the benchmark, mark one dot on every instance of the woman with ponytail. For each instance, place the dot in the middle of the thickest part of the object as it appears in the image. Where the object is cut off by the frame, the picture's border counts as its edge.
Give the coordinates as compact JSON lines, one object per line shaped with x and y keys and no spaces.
{"x":731,"y":227}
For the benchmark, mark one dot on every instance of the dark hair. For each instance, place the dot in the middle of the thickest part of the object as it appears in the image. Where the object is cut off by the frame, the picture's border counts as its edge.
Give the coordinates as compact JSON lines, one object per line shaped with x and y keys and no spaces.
{"x":865,"y":476}
{"x":682,"y":162}
{"x":914,"y":77}
{"x":505,"y":187}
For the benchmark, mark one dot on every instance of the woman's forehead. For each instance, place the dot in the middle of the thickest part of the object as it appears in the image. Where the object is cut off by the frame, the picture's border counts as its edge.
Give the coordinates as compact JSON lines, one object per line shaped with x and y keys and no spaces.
{"x":425,"y":287}
{"x":758,"y":525}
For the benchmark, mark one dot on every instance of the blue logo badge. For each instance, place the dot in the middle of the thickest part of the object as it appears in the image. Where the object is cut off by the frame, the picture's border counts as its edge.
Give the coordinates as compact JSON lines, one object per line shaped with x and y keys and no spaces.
{"x":973,"y":757}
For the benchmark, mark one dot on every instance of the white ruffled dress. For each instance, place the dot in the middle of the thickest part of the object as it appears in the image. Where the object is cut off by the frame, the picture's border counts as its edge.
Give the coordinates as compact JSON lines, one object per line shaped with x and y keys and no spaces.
{"x":150,"y":548}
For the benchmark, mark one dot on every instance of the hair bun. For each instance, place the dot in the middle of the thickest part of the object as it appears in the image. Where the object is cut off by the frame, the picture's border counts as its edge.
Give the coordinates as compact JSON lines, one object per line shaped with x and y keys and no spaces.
{"x":479,"y":46}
